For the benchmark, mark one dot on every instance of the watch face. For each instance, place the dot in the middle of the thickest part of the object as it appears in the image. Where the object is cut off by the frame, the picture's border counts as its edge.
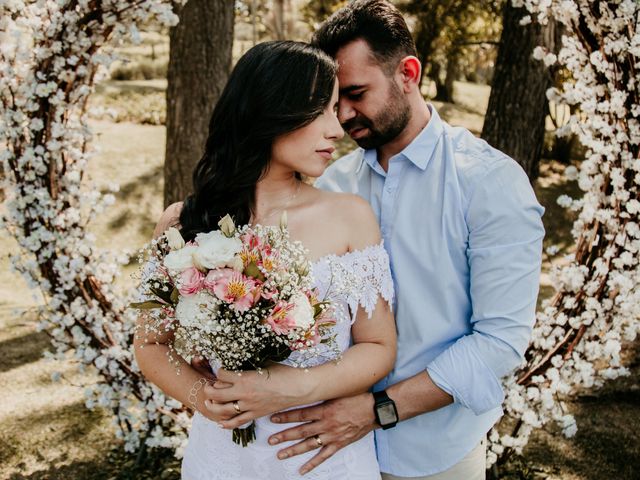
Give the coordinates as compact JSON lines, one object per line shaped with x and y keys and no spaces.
{"x":387,"y":413}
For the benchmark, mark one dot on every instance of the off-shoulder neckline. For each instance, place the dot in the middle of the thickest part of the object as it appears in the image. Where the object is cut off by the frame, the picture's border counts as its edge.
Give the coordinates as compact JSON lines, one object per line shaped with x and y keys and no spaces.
{"x":349,"y":254}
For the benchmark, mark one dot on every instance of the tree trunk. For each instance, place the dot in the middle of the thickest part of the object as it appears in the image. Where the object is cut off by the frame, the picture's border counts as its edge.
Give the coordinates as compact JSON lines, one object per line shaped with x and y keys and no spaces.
{"x":199,"y":65}
{"x":424,"y":37}
{"x":441,"y":88}
{"x":279,"y":20}
{"x":515,"y":118}
{"x":453,"y":69}
{"x":444,"y":91}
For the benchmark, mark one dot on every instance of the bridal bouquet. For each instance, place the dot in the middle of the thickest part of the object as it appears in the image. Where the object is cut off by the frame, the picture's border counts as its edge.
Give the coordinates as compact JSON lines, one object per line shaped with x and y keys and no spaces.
{"x":240,"y":297}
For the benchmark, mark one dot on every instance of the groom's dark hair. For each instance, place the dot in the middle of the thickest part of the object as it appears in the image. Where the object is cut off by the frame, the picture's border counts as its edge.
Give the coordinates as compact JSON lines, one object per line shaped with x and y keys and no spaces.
{"x":377,"y":22}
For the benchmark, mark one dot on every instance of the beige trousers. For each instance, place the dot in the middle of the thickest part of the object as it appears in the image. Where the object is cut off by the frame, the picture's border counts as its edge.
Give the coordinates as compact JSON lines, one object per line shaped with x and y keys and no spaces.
{"x":471,"y":467}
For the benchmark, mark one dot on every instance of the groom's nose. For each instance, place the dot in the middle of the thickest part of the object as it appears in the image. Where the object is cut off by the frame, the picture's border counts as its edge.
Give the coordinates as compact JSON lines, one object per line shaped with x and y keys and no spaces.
{"x":345,"y":111}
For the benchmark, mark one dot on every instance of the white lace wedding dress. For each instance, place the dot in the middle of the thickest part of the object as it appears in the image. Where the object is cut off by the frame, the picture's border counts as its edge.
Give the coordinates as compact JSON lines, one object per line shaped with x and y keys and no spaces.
{"x":354,"y":279}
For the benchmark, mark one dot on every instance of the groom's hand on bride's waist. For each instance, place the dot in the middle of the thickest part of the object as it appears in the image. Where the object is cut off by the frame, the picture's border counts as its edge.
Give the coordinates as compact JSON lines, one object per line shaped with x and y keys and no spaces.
{"x":329,"y":427}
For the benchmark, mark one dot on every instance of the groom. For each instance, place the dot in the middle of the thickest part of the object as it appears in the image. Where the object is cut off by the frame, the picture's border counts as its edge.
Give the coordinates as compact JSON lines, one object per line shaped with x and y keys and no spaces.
{"x":464,"y":233}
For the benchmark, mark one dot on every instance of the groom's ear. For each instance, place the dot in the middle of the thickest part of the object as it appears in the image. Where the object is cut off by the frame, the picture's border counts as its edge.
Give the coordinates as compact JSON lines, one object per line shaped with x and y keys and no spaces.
{"x":410,"y":71}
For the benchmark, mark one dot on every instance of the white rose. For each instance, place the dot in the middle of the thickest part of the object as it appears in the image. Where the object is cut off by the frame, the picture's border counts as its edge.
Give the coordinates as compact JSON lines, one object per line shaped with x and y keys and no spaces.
{"x":302,"y":312}
{"x":179,"y":260}
{"x":176,"y":242}
{"x":215,"y":250}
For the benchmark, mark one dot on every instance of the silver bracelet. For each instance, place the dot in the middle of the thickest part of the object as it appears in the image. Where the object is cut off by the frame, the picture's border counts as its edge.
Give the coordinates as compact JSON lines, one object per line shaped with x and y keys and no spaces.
{"x":193,"y":394}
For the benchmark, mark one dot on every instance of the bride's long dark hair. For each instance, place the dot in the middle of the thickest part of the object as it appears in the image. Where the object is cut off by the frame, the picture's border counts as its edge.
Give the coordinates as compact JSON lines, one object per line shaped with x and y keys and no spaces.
{"x":275,"y":88}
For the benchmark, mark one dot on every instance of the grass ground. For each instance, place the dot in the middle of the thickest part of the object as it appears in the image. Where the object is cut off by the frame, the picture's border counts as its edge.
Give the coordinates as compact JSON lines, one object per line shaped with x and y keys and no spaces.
{"x":47,"y":433}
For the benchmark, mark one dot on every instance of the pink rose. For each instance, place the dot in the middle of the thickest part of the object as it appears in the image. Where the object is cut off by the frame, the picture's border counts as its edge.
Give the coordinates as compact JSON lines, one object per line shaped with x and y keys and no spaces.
{"x":190,"y":281}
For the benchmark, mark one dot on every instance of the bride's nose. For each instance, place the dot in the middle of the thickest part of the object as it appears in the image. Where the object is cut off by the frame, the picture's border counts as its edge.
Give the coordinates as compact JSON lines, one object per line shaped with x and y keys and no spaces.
{"x":335,"y":131}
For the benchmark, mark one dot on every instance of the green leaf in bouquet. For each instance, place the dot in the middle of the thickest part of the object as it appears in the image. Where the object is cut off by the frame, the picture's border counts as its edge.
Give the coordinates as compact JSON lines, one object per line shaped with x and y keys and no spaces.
{"x":280,"y":354}
{"x":148,"y":305}
{"x":175,"y":295}
{"x":319,"y":310}
{"x":252,"y":270}
{"x":271,"y":353}
{"x":162,"y":294}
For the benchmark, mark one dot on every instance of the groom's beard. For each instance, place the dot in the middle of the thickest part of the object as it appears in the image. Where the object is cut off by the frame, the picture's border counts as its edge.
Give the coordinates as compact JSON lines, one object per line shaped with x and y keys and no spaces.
{"x":387,"y":125}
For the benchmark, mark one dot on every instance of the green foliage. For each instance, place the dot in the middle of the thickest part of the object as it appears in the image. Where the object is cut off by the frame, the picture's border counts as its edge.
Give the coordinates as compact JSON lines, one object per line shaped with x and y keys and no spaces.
{"x":314,"y":12}
{"x":261,"y":20}
{"x":455,"y":38}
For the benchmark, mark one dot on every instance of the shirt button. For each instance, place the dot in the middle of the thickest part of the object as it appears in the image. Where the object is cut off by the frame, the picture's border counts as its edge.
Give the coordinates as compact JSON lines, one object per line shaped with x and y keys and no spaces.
{"x":389,"y":189}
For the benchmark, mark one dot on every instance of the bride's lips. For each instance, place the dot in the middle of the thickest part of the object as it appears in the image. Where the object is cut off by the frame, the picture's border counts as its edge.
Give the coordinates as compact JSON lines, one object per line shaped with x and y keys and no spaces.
{"x":326,"y":152}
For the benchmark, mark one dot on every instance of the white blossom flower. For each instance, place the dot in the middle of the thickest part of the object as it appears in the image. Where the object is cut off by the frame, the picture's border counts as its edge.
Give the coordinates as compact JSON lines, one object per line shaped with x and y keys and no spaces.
{"x":564,"y":201}
{"x":571,"y":173}
{"x":633,"y":206}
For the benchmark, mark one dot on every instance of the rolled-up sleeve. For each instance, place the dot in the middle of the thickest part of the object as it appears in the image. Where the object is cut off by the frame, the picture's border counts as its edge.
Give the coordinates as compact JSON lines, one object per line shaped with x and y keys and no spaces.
{"x":504,"y":255}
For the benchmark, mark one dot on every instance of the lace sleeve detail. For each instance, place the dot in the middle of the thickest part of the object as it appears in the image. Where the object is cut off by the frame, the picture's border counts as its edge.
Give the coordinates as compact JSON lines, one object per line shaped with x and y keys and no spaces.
{"x":359,"y":277}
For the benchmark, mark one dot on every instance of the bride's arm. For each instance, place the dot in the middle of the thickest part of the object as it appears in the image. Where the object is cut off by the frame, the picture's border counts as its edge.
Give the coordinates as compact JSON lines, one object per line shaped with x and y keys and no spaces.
{"x":370,"y":358}
{"x":152,"y":349}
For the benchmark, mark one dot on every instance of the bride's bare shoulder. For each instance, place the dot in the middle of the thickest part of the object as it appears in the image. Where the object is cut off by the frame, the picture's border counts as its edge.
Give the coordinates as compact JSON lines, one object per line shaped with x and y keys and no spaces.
{"x":169,"y":218}
{"x":345,"y":204}
{"x":354,"y":214}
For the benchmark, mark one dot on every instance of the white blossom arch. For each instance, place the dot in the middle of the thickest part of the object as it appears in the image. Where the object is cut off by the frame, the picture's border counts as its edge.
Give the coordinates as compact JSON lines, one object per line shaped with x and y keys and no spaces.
{"x":50,"y":54}
{"x":579,"y":333}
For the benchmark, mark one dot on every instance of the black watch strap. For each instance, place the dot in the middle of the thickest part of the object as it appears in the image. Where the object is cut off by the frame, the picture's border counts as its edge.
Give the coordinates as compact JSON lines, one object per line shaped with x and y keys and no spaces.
{"x":381,"y":396}
{"x":385,"y":410}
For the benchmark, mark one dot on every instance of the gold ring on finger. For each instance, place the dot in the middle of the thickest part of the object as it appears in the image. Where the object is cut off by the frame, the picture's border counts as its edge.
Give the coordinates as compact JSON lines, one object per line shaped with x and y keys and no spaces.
{"x":236,"y":407}
{"x":318,"y":441}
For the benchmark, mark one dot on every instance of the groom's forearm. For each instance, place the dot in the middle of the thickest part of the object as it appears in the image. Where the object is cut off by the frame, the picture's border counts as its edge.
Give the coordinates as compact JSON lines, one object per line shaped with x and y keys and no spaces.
{"x":346,"y":420}
{"x":417,"y":395}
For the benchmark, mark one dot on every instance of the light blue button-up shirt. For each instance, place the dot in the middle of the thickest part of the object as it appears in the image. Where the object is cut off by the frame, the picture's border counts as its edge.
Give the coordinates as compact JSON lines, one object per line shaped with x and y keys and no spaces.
{"x":464,"y":234}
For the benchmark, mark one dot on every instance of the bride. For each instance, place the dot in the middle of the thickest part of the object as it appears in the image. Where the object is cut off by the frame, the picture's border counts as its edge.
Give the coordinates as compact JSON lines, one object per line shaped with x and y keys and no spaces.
{"x":275,"y":120}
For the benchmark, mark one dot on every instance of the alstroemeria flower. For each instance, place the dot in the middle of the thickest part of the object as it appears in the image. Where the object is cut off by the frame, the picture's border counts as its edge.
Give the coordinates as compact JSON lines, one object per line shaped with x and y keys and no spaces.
{"x":280,"y":319}
{"x":310,"y":339}
{"x":251,"y":241}
{"x":232,"y":287}
{"x":268,"y":294}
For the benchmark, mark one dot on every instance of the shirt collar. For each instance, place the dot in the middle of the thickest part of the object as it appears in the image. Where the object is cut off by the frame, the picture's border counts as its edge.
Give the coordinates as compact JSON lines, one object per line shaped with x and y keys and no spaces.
{"x":419,"y":151}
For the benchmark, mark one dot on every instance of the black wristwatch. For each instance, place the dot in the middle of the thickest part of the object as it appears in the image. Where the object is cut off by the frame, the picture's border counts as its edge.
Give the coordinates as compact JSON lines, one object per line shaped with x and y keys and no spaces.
{"x":385,"y":410}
